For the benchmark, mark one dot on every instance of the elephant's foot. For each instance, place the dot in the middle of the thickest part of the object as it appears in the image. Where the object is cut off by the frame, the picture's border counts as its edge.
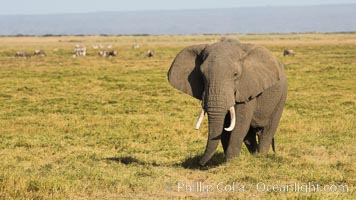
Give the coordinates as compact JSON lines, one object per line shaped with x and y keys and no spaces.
{"x":265,"y":142}
{"x":233,"y":151}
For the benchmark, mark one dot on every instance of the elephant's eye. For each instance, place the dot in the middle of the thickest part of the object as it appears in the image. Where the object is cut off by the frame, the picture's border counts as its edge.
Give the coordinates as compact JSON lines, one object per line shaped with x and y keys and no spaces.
{"x":236,"y":76}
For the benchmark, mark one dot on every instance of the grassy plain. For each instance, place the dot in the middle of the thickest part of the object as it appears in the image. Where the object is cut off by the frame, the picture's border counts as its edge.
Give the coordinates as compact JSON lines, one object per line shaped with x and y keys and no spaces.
{"x":109,"y":128}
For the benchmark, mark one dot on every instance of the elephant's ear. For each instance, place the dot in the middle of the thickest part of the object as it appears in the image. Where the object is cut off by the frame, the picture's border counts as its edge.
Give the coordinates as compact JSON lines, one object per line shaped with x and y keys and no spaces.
{"x":260,"y":70}
{"x":185,"y":74}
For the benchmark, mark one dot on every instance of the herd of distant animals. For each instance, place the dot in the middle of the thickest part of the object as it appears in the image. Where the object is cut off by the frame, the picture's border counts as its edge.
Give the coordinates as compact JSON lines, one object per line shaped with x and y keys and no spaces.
{"x":27,"y":55}
{"x":82,"y":51}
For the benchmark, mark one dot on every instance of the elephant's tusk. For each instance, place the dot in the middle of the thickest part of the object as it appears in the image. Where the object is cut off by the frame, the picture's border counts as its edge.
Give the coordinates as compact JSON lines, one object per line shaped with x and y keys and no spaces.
{"x":233,"y":119}
{"x":200,"y":119}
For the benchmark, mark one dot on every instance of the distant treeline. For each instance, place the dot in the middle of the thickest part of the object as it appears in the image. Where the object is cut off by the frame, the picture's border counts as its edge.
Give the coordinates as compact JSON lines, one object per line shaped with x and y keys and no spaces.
{"x":140,"y":35}
{"x":76,"y":35}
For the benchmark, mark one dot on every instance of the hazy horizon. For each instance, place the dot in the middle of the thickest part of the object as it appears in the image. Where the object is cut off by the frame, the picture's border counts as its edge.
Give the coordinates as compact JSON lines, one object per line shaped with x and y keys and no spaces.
{"x":254,"y":20}
{"x":30,"y":7}
{"x":174,"y":10}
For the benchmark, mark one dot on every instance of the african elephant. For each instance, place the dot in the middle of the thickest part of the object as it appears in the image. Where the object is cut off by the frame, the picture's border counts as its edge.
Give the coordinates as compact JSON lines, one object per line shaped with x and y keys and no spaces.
{"x":244,"y":80}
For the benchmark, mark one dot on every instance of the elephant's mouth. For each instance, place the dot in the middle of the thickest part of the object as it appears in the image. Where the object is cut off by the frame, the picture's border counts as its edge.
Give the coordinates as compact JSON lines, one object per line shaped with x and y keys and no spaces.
{"x":232,"y":117}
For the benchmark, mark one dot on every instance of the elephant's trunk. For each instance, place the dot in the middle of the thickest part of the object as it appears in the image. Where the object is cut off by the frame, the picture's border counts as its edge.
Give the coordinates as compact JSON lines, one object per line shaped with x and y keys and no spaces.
{"x":216,"y":125}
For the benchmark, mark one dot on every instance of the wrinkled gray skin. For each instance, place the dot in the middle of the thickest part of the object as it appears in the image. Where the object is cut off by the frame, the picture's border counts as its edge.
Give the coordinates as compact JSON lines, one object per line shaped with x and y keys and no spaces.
{"x":229,"y":73}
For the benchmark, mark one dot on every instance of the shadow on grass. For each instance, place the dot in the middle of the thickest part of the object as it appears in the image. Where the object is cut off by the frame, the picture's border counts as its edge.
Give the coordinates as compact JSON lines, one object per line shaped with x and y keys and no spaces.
{"x":188,"y":163}
{"x":193,"y":162}
{"x":127,"y":160}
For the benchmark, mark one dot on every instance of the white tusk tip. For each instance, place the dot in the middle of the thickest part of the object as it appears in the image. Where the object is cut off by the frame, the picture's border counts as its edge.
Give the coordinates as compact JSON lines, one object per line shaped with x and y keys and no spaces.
{"x":200,"y":119}
{"x":228,"y":129}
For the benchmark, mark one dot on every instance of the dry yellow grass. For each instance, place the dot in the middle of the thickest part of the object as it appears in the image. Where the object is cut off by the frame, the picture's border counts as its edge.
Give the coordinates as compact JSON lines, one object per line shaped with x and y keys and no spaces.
{"x":109,"y":128}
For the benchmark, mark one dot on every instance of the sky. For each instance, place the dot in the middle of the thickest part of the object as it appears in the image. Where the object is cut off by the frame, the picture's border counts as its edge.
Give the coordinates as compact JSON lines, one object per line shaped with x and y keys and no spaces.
{"x":17,"y":7}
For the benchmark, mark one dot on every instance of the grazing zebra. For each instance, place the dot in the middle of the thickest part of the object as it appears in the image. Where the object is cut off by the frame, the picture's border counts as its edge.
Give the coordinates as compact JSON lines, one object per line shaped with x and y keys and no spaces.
{"x":22,"y":54}
{"x":135,"y":46}
{"x":39,"y":53}
{"x":79,"y":51}
{"x":107,"y":53}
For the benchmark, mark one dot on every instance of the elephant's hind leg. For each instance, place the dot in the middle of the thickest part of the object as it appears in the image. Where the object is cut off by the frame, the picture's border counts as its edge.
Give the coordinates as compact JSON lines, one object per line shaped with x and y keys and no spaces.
{"x":250,"y":140}
{"x":267,"y":135}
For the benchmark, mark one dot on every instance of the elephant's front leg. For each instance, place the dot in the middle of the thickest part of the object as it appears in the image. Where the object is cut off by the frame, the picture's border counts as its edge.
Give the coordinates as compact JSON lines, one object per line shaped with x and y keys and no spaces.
{"x":244,"y":113}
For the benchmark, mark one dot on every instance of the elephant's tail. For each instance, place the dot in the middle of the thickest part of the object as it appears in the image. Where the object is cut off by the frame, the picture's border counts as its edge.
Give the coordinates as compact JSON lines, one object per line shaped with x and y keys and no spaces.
{"x":273,"y":148}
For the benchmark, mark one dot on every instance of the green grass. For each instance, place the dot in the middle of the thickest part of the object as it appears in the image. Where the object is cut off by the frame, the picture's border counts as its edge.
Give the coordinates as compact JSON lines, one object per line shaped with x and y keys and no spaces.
{"x":105,"y":128}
